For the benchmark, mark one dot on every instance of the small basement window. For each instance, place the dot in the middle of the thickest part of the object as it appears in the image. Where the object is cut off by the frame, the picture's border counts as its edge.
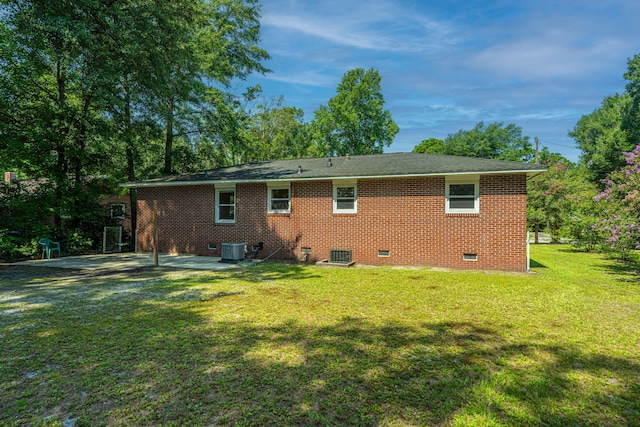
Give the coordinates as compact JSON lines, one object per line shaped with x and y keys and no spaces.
{"x":470,"y":257}
{"x":384,"y":253}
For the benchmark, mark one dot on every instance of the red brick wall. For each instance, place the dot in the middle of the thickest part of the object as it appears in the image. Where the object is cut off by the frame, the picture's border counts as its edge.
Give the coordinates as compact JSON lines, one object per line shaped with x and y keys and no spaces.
{"x":405,"y":216}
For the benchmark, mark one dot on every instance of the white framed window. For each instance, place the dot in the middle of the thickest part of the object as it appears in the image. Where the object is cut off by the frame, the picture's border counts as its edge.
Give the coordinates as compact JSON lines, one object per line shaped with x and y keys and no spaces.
{"x":279,"y":197}
{"x":117,"y":210}
{"x":226,"y":204}
{"x":462,"y":195}
{"x":345,"y":196}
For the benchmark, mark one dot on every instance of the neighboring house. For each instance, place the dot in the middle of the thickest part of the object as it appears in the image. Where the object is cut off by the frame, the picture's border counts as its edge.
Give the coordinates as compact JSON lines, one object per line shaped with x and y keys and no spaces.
{"x":116,"y":207}
{"x":385,"y":209}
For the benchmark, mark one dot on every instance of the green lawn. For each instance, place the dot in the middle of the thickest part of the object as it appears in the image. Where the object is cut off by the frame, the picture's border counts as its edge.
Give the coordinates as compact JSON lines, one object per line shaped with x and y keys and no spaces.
{"x":279,"y":345}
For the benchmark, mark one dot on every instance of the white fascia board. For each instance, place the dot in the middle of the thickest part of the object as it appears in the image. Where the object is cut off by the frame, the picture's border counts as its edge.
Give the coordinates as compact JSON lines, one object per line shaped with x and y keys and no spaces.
{"x":529,"y":173}
{"x":166,"y":184}
{"x":532,"y":174}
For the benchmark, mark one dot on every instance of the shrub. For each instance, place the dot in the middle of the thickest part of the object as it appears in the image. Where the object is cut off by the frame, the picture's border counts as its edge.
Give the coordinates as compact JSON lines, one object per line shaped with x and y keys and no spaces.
{"x":78,"y":242}
{"x":13,"y":246}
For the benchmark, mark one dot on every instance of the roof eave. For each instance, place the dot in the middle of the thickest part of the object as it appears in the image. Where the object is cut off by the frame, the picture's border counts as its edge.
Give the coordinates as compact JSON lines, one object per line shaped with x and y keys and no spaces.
{"x":145,"y":184}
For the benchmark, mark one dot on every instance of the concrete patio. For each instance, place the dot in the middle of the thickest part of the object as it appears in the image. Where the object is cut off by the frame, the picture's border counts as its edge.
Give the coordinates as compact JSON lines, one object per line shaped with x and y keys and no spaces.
{"x":133,"y":260}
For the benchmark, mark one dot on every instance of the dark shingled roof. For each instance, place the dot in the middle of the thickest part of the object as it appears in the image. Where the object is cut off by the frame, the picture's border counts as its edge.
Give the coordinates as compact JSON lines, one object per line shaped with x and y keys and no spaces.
{"x":365,"y":166}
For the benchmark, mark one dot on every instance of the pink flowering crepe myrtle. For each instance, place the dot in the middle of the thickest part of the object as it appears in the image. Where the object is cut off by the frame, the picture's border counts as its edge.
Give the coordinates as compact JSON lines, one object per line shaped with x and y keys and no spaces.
{"x":621,"y":224}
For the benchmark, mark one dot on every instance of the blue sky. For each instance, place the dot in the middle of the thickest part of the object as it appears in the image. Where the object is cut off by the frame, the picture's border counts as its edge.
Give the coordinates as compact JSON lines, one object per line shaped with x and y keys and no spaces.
{"x":446,"y":65}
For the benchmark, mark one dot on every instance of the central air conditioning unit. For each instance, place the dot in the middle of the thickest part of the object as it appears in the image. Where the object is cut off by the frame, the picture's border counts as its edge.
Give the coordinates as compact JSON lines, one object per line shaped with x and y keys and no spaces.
{"x":233,"y":252}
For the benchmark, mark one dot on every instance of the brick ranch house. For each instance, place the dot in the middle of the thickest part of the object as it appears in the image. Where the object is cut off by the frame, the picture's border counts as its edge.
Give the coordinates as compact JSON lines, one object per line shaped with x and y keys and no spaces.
{"x":385,"y":209}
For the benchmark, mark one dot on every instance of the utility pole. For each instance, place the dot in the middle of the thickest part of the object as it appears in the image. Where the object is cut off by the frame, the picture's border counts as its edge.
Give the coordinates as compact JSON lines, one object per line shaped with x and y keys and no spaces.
{"x":536,"y":150}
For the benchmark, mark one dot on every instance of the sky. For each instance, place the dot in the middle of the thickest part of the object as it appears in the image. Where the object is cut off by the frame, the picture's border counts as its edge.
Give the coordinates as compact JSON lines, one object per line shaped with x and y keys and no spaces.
{"x":447,"y":65}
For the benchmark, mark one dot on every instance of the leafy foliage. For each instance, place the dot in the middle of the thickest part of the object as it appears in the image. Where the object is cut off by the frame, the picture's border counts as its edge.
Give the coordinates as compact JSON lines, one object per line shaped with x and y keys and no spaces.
{"x":493,"y":141}
{"x":30,"y":207}
{"x":219,"y":43}
{"x":566,"y":203}
{"x":631,"y":119}
{"x":620,"y":204}
{"x":277,"y":132}
{"x":596,"y":203}
{"x":93,"y":88}
{"x":354,"y":121}
{"x":601,"y":137}
{"x":561,"y":201}
{"x":430,"y":146}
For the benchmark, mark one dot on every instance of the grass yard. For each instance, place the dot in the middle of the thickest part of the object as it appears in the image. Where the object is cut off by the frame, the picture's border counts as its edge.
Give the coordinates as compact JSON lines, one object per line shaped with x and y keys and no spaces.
{"x":279,"y":345}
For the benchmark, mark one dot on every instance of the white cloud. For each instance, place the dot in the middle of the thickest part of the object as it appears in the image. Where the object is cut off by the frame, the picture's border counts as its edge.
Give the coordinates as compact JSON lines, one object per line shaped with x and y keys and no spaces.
{"x":306,"y":78}
{"x":448,"y":65}
{"x":380,"y":26}
{"x":326,"y":30}
{"x":556,"y":54}
{"x":546,"y":115}
{"x":456,"y":110}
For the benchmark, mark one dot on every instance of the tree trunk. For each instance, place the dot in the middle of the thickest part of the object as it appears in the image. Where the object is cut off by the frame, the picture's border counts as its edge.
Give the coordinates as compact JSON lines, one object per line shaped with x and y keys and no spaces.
{"x":168,"y":149}
{"x":131,"y":175}
{"x":61,"y":164}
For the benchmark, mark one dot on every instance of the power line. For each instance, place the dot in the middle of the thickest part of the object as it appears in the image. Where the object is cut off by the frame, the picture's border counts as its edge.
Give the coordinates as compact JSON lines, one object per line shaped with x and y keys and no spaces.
{"x":559,"y":145}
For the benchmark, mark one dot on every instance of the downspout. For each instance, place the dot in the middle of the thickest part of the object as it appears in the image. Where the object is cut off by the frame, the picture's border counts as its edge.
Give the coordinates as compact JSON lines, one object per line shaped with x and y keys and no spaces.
{"x":528,"y":252}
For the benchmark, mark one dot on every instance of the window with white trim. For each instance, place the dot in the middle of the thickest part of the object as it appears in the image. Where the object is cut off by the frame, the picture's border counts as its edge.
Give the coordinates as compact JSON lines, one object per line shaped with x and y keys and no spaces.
{"x":226,"y":205}
{"x":463,"y":196}
{"x":117,"y":210}
{"x":345,"y":196}
{"x":279,"y":198}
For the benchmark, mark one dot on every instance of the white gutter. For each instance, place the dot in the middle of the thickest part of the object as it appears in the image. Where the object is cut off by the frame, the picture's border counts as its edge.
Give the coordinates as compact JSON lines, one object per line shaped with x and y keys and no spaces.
{"x":325,"y":178}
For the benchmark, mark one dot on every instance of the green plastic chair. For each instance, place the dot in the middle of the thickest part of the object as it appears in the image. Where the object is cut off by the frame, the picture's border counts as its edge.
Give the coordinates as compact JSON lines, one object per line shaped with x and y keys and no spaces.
{"x":49,"y":247}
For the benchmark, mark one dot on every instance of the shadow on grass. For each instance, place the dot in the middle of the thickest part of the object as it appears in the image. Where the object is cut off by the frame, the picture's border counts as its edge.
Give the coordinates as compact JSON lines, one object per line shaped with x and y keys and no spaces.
{"x":140,"y":355}
{"x":535,"y":264}
{"x":40,"y":282}
{"x":626,"y":271}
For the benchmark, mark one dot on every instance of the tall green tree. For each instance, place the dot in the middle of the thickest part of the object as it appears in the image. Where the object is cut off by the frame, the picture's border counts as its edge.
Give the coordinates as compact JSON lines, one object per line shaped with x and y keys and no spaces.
{"x":276,"y":131}
{"x":216,"y":41}
{"x":354,"y":121}
{"x":51,"y":94}
{"x":430,"y":146}
{"x":602,"y":138}
{"x":91,"y":87}
{"x":631,"y":118}
{"x":493,"y":141}
{"x":130,"y":40}
{"x":561,"y":201}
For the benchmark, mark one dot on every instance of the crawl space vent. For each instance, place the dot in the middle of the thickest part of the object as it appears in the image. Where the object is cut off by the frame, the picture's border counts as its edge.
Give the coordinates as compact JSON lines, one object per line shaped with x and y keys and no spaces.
{"x":340,"y":256}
